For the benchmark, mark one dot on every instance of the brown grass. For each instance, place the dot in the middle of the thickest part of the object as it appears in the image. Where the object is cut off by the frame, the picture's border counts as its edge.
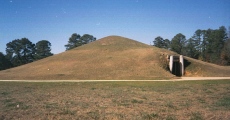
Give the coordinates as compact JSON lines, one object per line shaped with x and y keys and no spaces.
{"x":203,"y":69}
{"x":116,"y":100}
{"x":111,"y":57}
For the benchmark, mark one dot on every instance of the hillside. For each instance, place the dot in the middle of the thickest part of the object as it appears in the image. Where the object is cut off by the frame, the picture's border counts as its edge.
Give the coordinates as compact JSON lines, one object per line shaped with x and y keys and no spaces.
{"x":112,"y":57}
{"x":198,"y":68}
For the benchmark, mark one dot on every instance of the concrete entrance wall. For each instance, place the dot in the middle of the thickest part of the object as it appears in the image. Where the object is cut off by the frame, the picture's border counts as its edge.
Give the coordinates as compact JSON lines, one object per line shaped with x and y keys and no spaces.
{"x":176,"y":64}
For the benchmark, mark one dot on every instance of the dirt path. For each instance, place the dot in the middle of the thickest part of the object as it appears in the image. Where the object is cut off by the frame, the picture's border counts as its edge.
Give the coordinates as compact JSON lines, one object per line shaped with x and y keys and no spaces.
{"x":205,"y":78}
{"x":173,"y":80}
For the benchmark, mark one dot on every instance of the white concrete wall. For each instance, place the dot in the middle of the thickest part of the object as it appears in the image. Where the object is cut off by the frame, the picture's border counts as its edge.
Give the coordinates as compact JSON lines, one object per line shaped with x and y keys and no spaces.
{"x":181,"y":61}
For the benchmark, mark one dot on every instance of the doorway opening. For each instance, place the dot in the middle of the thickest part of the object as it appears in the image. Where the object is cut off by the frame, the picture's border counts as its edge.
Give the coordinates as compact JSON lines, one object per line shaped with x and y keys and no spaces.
{"x":176,"y":70}
{"x":176,"y":64}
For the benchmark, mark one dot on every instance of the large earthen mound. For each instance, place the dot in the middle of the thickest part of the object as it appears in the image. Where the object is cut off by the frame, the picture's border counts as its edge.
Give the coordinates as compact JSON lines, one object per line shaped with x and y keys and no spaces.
{"x":109,"y":58}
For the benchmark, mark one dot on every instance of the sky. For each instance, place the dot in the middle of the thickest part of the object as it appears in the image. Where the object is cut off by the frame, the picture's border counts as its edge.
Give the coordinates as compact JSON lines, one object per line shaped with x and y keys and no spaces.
{"x":141,"y":20}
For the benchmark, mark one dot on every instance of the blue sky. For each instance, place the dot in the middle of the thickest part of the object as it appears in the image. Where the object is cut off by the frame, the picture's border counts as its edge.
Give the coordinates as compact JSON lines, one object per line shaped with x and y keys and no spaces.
{"x":141,"y":20}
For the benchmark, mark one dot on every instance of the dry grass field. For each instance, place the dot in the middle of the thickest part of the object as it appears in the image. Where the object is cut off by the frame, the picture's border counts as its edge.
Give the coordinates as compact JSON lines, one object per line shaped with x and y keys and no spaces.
{"x":193,"y":100}
{"x":110,"y":58}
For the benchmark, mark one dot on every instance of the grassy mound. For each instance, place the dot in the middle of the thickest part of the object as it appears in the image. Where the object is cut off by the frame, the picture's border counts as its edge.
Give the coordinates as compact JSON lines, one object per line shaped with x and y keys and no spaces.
{"x":112,"y":57}
{"x":198,"y":68}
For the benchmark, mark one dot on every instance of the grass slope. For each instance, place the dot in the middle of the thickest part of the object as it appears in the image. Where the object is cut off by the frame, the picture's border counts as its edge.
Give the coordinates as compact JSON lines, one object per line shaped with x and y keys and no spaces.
{"x":198,"y":68}
{"x":112,"y":57}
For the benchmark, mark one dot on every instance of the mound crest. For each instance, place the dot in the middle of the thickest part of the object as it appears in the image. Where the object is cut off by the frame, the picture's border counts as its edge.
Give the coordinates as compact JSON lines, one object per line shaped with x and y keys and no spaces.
{"x":114,"y":43}
{"x":120,"y":41}
{"x":112,"y":57}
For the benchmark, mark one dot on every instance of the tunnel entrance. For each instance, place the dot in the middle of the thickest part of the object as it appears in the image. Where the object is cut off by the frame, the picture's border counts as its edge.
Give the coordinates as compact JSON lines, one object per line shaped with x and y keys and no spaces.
{"x":176,"y":64}
{"x":176,"y":69}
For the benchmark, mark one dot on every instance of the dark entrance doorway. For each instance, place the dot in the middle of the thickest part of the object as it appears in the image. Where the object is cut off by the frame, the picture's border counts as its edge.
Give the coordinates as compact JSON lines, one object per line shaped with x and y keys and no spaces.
{"x":176,"y":64}
{"x":176,"y":70}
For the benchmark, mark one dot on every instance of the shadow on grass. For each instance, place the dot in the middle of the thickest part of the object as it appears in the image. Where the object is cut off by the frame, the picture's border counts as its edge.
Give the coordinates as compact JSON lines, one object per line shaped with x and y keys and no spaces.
{"x":186,"y":63}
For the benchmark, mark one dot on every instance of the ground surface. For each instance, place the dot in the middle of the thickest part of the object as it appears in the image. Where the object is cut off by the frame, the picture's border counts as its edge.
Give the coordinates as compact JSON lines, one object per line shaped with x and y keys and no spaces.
{"x":169,"y":80}
{"x":194,"y":100}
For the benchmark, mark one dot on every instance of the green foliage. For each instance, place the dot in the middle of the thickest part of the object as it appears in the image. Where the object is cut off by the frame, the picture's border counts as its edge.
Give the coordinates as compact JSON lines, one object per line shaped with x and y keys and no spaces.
{"x":225,"y":54}
{"x":4,"y":62}
{"x":161,"y":43}
{"x":167,"y":43}
{"x":178,"y":43}
{"x":86,"y":38}
{"x":43,"y":49}
{"x":158,"y":42}
{"x":76,"y":40}
{"x":214,"y":42}
{"x":23,"y":51}
{"x":212,"y":45}
{"x":207,"y":45}
{"x":190,"y":49}
{"x":20,"y":51}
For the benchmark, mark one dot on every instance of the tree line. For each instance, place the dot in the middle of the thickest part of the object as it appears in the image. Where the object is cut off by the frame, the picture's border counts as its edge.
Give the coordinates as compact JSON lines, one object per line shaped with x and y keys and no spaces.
{"x":211,"y":45}
{"x":77,"y":40}
{"x":23,"y":51}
